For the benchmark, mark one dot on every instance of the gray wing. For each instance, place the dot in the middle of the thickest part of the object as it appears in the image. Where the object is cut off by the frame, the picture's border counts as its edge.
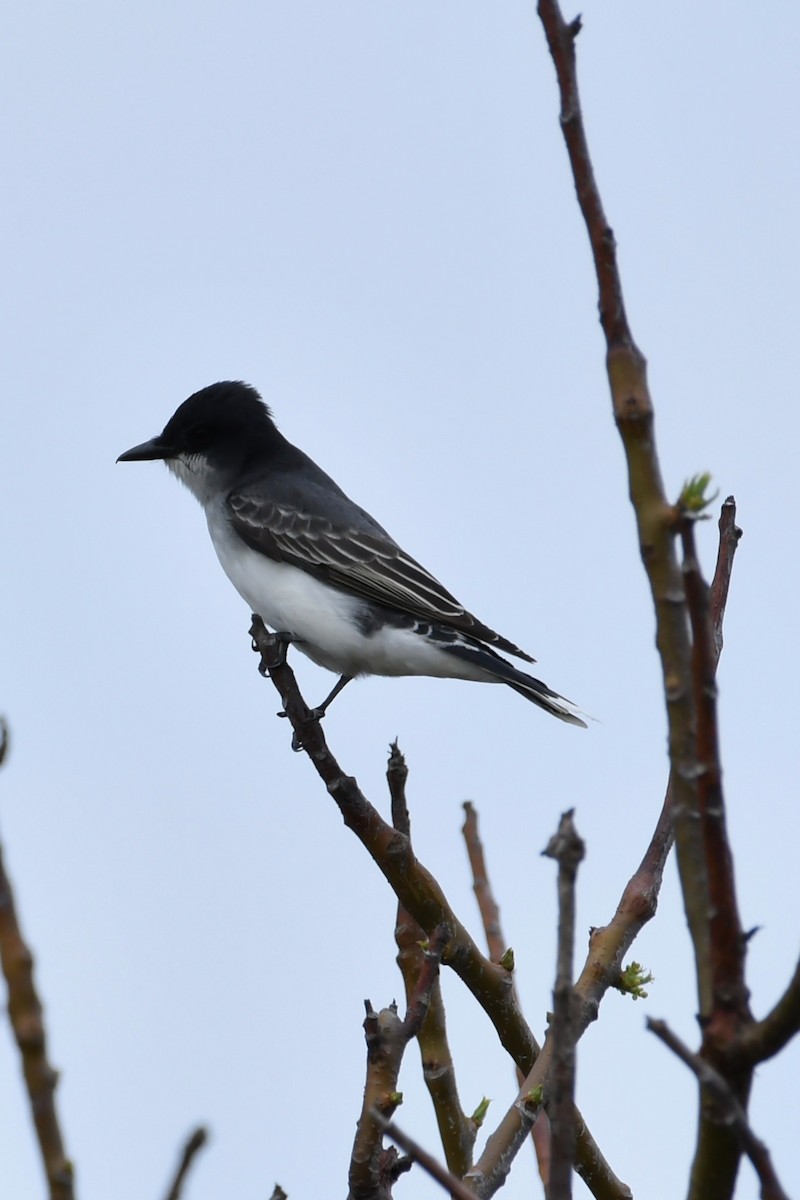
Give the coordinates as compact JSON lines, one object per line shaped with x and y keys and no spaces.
{"x":355,"y":554}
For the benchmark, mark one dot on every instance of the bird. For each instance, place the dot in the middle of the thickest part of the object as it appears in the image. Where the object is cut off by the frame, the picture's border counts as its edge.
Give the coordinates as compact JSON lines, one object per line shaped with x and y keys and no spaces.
{"x":318,"y":569}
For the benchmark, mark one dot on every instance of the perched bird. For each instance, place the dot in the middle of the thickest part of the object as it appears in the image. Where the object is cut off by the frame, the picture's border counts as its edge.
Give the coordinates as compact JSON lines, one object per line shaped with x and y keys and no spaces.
{"x":319,"y":570}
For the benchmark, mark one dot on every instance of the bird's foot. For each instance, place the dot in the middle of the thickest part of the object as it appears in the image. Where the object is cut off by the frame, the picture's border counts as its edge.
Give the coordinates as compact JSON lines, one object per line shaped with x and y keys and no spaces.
{"x":316,"y":714}
{"x":273,"y":650}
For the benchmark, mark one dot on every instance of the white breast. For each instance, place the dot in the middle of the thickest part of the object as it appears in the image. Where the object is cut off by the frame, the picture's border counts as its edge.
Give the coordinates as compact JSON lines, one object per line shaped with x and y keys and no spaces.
{"x":324,"y":619}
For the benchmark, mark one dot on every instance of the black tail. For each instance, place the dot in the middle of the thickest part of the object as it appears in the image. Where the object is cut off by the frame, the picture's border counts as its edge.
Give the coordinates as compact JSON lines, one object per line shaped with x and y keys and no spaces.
{"x":540,"y":693}
{"x":532,"y":689}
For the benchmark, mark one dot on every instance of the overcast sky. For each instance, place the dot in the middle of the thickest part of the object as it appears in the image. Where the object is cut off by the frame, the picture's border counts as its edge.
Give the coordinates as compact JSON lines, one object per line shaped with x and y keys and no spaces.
{"x":365,"y":210}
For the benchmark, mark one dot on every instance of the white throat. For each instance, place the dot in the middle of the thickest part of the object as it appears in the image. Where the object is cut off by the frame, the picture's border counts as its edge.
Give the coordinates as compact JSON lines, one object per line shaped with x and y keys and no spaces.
{"x":199,"y":476}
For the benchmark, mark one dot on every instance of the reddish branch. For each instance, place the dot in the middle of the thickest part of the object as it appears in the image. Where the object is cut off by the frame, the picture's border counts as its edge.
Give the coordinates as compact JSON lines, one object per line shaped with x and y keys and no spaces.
{"x":487,"y":905}
{"x":655,"y":516}
{"x":695,"y":795}
{"x":728,"y":1013}
{"x":729,"y":993}
{"x":27,"y":1022}
{"x":603,"y":967}
{"x":730,"y":1113}
{"x":695,"y":800}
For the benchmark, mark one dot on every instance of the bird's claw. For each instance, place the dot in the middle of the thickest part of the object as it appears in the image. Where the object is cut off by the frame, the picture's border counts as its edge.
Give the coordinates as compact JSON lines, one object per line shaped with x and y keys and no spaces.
{"x":275,"y":655}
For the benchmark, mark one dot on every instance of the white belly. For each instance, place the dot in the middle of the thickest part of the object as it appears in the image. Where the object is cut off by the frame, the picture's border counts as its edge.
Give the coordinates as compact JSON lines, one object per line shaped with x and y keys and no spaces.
{"x":325,"y":620}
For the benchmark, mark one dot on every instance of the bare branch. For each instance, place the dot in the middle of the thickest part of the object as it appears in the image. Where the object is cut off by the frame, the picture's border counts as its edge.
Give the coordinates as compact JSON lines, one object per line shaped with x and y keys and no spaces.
{"x":729,"y":537}
{"x":195,"y":1142}
{"x":638,"y":903}
{"x":373,"y":1170}
{"x":729,"y":994}
{"x":27,"y":1022}
{"x":717,"y":1154}
{"x":767,"y":1037}
{"x":603,"y":966}
{"x":727,"y":1109}
{"x":567,"y":848}
{"x":418,"y":891}
{"x":590,"y":1163}
{"x":655,"y":516}
{"x":451,"y":1183}
{"x":491,"y":1170}
{"x":497,"y":946}
{"x":657,"y":521}
{"x":426,"y":981}
{"x":414,"y":886}
{"x":396,"y":777}
{"x":456,"y":1130}
{"x":487,"y":905}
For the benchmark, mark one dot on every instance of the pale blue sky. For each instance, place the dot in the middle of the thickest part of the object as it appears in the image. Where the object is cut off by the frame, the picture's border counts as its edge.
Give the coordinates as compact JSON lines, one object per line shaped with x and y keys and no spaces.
{"x":365,"y":210}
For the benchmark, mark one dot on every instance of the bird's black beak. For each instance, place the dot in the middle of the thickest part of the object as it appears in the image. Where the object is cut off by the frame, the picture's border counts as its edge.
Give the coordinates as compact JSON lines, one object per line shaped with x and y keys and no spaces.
{"x":156,"y":448}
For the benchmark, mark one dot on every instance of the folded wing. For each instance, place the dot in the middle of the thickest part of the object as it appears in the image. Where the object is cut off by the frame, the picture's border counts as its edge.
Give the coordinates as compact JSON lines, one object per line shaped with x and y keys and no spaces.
{"x":356,"y":556}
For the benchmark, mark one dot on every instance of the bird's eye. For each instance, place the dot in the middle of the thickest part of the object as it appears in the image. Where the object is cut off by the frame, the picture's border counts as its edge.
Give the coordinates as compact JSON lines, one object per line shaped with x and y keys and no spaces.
{"x":199,"y":436}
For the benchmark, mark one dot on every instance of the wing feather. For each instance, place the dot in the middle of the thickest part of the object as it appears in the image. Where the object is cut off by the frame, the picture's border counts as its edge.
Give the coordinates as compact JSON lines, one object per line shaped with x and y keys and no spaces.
{"x":363,"y":561}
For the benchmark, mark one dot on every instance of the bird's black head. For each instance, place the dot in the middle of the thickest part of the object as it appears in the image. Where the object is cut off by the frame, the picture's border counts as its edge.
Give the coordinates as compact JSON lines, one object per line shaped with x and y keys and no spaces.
{"x":220,"y":420}
{"x":216,"y":437}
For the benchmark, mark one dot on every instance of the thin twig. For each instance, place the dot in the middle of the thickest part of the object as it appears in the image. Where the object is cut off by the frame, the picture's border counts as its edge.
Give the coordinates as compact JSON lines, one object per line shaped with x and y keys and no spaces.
{"x":497,"y":947}
{"x":27,"y":1022}
{"x":396,"y":777}
{"x":728,"y":1110}
{"x":487,"y":905}
{"x":194,"y":1143}
{"x":729,"y":537}
{"x":567,"y":848}
{"x":451,"y":1183}
{"x":768,"y":1036}
{"x":457,"y":1131}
